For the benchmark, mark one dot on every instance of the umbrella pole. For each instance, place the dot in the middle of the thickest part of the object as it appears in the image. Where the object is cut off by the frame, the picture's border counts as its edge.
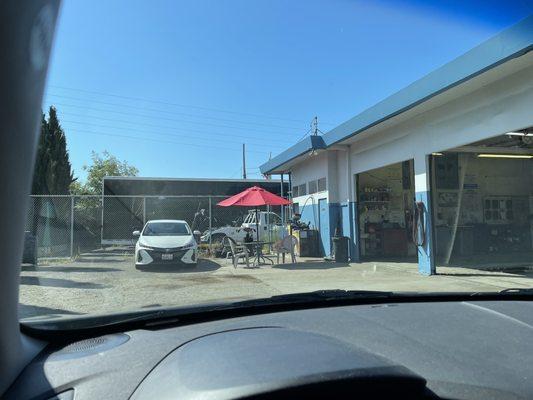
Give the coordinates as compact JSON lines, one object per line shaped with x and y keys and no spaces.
{"x":257,"y":224}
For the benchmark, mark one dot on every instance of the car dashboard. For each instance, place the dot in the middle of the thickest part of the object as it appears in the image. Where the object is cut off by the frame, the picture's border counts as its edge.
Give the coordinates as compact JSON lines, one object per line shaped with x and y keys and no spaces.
{"x":449,"y":349}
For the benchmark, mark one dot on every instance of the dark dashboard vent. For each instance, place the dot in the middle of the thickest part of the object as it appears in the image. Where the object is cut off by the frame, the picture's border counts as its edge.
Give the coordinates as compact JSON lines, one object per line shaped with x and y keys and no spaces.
{"x":91,"y":346}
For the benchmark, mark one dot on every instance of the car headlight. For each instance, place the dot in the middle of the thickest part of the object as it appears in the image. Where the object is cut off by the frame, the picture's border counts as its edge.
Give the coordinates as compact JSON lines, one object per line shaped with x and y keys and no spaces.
{"x":145,"y":247}
{"x":189,"y":246}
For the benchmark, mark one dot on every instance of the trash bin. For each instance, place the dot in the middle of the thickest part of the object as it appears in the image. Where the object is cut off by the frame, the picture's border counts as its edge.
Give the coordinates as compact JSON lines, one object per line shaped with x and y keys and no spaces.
{"x":340,"y":248}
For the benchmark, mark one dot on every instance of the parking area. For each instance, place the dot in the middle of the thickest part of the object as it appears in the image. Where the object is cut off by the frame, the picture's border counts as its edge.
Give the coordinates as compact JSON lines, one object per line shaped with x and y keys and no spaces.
{"x":106,"y":281}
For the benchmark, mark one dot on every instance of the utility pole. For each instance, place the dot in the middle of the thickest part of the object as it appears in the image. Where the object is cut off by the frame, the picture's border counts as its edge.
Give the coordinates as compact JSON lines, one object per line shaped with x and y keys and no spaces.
{"x":243,"y":161}
{"x":314,"y":126}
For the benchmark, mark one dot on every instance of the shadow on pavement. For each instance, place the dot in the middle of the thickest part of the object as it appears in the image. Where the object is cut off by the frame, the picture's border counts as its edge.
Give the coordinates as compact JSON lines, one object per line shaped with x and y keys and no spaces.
{"x":98,"y":260}
{"x":390,"y":260}
{"x":71,"y":269}
{"x":311,"y":265}
{"x":204,"y":265}
{"x":26,"y":311}
{"x":487,"y":275}
{"x":505,"y":273}
{"x":60,"y":283}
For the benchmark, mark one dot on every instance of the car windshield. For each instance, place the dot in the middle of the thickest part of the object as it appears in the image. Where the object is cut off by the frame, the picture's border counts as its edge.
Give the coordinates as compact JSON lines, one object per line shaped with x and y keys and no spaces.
{"x":194,"y":152}
{"x":166,"y":229}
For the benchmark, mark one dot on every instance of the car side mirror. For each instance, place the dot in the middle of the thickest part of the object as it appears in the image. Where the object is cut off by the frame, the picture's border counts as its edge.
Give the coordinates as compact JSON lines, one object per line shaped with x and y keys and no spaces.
{"x":197,"y":235}
{"x":136,"y":233}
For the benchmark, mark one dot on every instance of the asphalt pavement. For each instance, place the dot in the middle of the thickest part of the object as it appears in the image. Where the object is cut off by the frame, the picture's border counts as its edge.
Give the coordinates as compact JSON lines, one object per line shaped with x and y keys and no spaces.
{"x":107,"y":281}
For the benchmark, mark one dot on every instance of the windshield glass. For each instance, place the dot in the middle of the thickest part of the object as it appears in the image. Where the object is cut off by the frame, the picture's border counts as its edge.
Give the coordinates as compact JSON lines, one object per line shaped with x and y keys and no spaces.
{"x":194,"y":152}
{"x":166,"y":229}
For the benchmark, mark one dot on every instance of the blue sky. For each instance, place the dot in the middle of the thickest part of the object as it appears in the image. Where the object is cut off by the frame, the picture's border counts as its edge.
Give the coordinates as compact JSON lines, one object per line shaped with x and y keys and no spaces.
{"x":176,"y":87}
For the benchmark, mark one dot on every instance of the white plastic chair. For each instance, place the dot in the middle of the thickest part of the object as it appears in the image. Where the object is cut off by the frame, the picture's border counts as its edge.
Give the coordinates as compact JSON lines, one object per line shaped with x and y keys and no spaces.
{"x":286,"y":246}
{"x":238,"y":252}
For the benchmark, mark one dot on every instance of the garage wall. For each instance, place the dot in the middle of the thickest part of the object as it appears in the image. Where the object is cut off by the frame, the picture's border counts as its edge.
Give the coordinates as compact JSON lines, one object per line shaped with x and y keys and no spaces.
{"x":343,"y":176}
{"x":497,"y":108}
{"x":313,"y":168}
{"x":488,"y":177}
{"x":325,"y":164}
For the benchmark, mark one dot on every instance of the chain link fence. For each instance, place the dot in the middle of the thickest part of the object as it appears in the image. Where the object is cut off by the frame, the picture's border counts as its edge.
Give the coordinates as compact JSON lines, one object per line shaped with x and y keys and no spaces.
{"x":65,"y":226}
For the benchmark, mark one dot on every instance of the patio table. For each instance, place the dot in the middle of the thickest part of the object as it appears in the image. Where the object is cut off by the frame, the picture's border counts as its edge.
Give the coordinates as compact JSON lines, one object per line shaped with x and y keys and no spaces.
{"x":259,"y":256}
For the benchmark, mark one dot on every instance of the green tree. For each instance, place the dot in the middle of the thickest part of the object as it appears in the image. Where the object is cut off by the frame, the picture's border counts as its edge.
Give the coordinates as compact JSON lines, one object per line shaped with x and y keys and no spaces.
{"x":53,"y":171}
{"x":104,"y":164}
{"x":88,"y":209}
{"x":41,"y":164}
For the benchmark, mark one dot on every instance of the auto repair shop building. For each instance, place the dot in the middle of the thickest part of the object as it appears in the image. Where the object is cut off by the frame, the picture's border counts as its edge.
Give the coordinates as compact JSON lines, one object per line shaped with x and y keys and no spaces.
{"x":440,"y":173}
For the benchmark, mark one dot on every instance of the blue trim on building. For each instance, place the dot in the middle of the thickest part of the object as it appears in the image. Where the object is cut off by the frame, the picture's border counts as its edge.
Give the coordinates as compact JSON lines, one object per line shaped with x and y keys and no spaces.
{"x":337,"y":215}
{"x":309,"y":215}
{"x":349,"y":228}
{"x":335,"y":222}
{"x":335,"y":218}
{"x":511,"y":43}
{"x":324,"y":217}
{"x":426,"y":253}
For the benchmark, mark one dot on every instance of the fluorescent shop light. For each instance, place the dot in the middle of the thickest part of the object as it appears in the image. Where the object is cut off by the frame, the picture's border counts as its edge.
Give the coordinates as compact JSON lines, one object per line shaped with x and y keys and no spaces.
{"x":505,"y":156}
{"x":519,"y":134}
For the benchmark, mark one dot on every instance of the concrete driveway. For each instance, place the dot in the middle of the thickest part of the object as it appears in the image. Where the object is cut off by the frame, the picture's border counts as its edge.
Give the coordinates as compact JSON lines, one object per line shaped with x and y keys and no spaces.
{"x":106,"y":281}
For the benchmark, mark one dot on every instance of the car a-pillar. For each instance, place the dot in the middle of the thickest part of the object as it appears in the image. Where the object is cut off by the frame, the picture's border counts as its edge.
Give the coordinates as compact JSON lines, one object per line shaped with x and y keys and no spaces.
{"x":422,"y":226}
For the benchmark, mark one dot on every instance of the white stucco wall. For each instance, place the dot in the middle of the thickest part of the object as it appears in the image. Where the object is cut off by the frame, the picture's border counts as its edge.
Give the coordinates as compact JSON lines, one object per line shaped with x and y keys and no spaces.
{"x":492,"y":110}
{"x":313,"y":168}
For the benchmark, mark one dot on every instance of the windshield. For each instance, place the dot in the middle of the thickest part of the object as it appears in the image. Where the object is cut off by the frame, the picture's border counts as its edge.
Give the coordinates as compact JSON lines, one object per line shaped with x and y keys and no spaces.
{"x":194,"y":152}
{"x":166,"y":229}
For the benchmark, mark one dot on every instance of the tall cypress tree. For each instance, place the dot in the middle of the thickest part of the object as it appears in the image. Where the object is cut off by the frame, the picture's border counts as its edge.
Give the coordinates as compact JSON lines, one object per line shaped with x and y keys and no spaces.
{"x":53,"y":172}
{"x":41,"y":163}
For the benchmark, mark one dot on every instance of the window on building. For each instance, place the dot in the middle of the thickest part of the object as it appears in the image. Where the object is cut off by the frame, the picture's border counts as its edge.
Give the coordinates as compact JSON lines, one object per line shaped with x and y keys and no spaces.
{"x":322,"y":185}
{"x":299,"y":190}
{"x":295,"y":191}
{"x":312,"y":187}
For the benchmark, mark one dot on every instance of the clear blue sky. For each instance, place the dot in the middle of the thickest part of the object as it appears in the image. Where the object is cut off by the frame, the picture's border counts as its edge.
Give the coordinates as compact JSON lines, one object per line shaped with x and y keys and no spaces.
{"x":176,"y":87}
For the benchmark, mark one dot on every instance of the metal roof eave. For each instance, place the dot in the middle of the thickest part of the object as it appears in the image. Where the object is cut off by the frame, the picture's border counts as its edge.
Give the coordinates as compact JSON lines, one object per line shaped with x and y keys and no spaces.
{"x":304,"y":146}
{"x":511,"y":43}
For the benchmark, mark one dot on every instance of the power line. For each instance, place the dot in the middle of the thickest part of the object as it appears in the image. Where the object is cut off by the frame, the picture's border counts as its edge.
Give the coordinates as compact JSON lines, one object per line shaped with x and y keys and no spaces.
{"x":177,"y":104}
{"x":160,"y":118}
{"x":68,"y":114}
{"x":172,"y":112}
{"x":164,"y":134}
{"x":236,"y":173}
{"x":164,"y":141}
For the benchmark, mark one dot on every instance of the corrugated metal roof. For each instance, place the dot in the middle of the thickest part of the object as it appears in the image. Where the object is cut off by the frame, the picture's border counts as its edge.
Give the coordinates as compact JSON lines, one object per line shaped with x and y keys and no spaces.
{"x":511,"y":43}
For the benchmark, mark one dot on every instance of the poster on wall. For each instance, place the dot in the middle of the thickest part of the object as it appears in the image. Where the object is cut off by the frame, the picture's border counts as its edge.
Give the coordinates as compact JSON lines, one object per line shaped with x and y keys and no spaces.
{"x":447,"y":199}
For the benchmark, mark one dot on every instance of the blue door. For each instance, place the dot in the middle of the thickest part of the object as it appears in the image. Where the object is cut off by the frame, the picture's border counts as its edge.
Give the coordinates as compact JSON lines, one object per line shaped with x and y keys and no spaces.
{"x":323,"y":227}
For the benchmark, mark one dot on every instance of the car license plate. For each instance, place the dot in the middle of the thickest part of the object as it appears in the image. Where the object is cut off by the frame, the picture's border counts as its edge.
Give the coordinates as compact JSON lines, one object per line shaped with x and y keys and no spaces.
{"x":167,"y":257}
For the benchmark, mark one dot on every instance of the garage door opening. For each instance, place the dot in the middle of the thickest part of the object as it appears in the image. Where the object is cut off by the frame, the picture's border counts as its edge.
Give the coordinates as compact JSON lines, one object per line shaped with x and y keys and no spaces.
{"x":385,"y":208}
{"x":483,"y":204}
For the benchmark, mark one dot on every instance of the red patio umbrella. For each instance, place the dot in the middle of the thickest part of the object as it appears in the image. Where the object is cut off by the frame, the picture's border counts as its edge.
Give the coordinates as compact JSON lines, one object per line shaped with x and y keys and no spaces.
{"x":255,"y":197}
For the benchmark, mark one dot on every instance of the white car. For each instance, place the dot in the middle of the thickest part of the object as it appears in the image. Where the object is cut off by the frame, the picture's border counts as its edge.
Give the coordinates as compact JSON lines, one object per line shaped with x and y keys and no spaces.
{"x":166,"y":241}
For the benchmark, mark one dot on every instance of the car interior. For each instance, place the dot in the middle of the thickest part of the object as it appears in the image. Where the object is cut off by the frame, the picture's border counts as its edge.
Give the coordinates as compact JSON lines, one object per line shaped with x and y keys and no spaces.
{"x":317,"y":346}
